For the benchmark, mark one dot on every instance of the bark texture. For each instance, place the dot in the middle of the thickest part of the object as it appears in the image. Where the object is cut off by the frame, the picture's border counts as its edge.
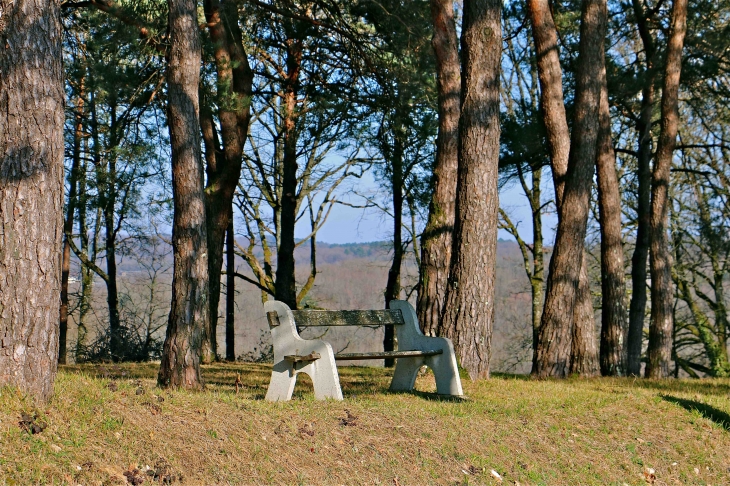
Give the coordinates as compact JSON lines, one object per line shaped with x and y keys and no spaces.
{"x":469,"y":311}
{"x":189,"y":313}
{"x":223,"y":170}
{"x":613,"y":288}
{"x":584,"y":342}
{"x":437,"y":237}
{"x":637,"y":308}
{"x":583,"y":351}
{"x":556,"y":330}
{"x":661,"y":328}
{"x":286,"y":288}
{"x":31,"y":193}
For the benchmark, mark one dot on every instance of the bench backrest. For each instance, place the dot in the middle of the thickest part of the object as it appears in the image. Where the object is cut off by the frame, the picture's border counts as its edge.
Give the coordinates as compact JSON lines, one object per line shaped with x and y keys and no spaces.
{"x":312,"y":318}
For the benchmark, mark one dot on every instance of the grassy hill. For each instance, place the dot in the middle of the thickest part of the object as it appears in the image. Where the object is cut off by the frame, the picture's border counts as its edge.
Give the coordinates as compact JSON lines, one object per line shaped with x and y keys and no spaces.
{"x":108,"y":420}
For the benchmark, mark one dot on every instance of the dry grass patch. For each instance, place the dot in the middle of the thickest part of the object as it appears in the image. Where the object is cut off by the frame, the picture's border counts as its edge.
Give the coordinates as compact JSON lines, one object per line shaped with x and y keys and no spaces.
{"x":108,"y":424}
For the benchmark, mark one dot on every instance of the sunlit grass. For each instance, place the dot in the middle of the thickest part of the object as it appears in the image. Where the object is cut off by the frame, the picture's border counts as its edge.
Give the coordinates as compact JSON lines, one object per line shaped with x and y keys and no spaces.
{"x":108,"y":419}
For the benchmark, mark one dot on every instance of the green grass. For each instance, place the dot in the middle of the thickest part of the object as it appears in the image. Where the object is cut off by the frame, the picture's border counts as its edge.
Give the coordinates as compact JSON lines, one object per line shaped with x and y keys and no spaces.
{"x":602,"y":431}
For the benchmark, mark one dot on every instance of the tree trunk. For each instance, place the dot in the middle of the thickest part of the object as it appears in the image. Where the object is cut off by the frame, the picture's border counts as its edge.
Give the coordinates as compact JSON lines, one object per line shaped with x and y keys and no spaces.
{"x":566,"y":263}
{"x":436,"y":240}
{"x":235,"y":81}
{"x":189,"y":312}
{"x":87,"y":279}
{"x":537,"y":279}
{"x":230,"y":292}
{"x":552,"y":103}
{"x":69,"y":223}
{"x":613,"y":289}
{"x":584,"y":343}
{"x":662,"y":296}
{"x":286,"y":289}
{"x":637,"y":308}
{"x":469,"y":310}
{"x":31,"y":194}
{"x":392,"y":287}
{"x":110,"y":246}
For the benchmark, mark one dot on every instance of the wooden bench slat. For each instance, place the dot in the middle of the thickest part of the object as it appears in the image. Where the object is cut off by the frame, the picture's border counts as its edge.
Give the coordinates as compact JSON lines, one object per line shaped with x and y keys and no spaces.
{"x":293,"y":358}
{"x":312,"y":318}
{"x":387,"y":354}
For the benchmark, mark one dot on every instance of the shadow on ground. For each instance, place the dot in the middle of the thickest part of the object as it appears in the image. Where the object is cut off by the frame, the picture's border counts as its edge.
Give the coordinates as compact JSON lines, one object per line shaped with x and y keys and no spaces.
{"x":709,"y":412}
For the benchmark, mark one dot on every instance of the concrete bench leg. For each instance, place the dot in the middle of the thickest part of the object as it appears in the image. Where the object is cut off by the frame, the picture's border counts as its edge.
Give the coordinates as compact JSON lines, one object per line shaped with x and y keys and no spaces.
{"x":405,"y":373}
{"x":325,"y":378}
{"x":443,"y":365}
{"x":287,"y":342}
{"x":282,"y":382}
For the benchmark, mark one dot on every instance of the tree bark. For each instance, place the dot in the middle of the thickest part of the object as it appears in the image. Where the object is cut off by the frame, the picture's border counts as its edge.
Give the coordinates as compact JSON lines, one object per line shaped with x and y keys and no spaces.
{"x":661,"y":328}
{"x":87,"y":279}
{"x":189,"y":313}
{"x":286,"y":289}
{"x":110,"y":245}
{"x":69,"y":222}
{"x":235,"y":80}
{"x":436,"y":240}
{"x":566,"y":263}
{"x":31,"y":193}
{"x":637,"y":308}
{"x":469,"y":310}
{"x":613,"y":288}
{"x":583,"y":351}
{"x":392,"y":287}
{"x":230,"y":292}
{"x":584,"y":342}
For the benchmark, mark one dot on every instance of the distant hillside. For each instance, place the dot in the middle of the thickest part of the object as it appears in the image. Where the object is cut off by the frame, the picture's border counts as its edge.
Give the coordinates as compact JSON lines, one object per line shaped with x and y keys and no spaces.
{"x":349,"y":276}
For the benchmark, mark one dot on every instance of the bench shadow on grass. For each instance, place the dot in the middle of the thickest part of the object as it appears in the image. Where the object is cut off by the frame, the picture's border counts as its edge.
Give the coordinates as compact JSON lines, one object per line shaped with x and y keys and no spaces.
{"x":431,"y":396}
{"x":709,"y":412}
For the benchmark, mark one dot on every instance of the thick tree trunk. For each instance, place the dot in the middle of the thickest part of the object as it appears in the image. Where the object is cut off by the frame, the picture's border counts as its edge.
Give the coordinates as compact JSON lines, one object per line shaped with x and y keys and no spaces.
{"x":69,"y":223}
{"x":235,"y":81}
{"x":583,"y":352}
{"x":584,"y":343}
{"x":286,"y":289}
{"x":637,"y":308}
{"x":230,"y":292}
{"x":661,"y":328}
{"x":436,"y":240}
{"x":566,"y":263}
{"x":31,"y":194}
{"x":189,"y":313}
{"x":552,"y":103}
{"x":469,"y":310}
{"x":613,"y":288}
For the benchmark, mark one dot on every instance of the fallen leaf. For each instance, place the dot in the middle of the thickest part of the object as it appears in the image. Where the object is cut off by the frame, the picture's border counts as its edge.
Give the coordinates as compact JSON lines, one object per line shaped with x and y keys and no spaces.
{"x":307,"y":429}
{"x":350,"y":420}
{"x":649,"y":475}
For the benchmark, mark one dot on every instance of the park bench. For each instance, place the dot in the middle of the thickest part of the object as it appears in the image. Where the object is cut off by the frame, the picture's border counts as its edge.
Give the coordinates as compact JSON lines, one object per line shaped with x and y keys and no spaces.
{"x":294,"y":355}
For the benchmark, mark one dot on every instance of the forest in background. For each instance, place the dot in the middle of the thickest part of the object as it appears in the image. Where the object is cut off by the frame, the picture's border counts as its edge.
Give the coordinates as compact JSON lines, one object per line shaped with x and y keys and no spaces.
{"x":352,"y":277}
{"x":352,"y":111}
{"x":271,"y":113}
